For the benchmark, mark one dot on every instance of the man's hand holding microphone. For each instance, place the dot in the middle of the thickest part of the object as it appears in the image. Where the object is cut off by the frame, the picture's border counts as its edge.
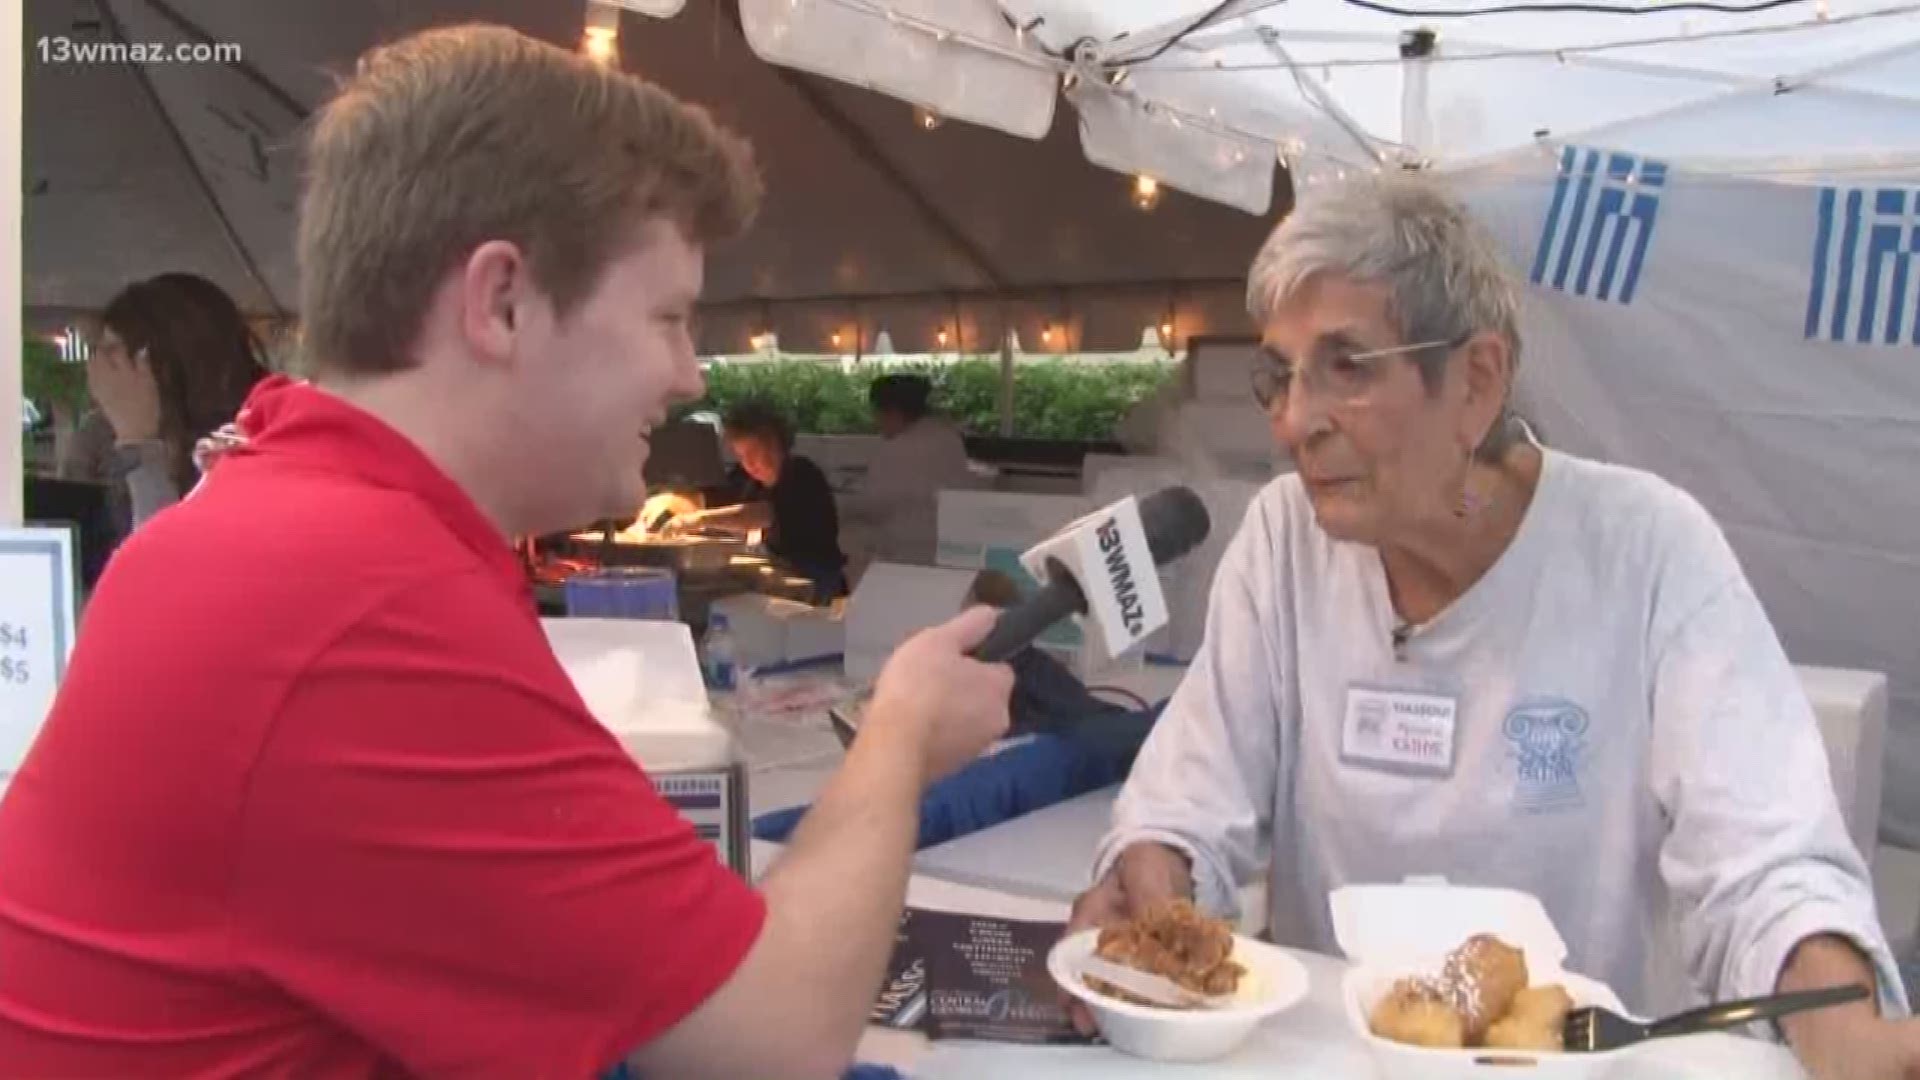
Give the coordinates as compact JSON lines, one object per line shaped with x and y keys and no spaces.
{"x":834,"y":897}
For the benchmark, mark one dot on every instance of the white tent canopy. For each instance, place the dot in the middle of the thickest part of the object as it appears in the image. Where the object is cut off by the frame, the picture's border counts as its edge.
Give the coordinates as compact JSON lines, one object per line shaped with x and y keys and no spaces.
{"x":1717,"y":207}
{"x":871,"y":224}
{"x":1207,"y":96}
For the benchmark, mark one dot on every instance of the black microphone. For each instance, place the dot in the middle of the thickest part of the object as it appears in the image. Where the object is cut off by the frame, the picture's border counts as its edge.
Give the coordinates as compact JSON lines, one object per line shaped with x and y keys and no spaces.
{"x":1175,"y":522}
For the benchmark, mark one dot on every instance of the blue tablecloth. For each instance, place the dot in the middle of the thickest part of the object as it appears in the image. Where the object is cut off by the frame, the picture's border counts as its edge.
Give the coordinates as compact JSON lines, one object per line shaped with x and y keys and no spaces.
{"x":1045,"y":769}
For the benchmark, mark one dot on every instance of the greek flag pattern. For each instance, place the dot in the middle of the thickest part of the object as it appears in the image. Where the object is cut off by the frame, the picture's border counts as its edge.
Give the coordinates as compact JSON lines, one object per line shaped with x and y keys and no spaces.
{"x":1600,"y":224}
{"x":1866,"y":246}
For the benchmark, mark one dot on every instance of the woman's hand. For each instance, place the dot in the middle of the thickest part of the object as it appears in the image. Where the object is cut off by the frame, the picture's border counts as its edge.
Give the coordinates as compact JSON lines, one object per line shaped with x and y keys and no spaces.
{"x":1145,"y":874}
{"x":680,"y":524}
{"x":127,"y":393}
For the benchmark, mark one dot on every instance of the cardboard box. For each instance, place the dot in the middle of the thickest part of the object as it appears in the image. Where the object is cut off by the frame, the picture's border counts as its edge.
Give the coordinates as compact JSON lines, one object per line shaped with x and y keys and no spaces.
{"x":991,"y":529}
{"x":1188,"y":583}
{"x":641,"y":679}
{"x":1231,"y":438}
{"x":1221,"y":370}
{"x":844,"y":458}
{"x":891,"y":603}
{"x":769,"y":631}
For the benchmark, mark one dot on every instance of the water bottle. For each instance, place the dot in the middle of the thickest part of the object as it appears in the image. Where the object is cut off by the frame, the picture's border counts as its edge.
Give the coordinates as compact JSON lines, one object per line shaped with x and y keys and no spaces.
{"x":719,"y":653}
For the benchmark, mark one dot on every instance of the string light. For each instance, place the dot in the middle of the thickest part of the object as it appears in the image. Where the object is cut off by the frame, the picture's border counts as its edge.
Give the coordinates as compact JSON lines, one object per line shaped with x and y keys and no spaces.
{"x":600,"y":40}
{"x":941,"y":337}
{"x":1689,"y":33}
{"x":926,"y":118}
{"x":1146,"y":192}
{"x":836,"y":339}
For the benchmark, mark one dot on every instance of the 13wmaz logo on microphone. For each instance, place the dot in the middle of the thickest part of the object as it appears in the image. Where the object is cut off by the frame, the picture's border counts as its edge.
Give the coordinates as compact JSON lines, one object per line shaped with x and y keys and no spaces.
{"x":1120,"y":576}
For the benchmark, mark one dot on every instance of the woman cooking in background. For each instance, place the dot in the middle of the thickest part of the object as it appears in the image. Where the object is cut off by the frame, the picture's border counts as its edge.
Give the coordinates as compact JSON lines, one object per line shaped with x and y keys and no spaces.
{"x":922,"y":455}
{"x":782,"y":493}
{"x":173,"y":362}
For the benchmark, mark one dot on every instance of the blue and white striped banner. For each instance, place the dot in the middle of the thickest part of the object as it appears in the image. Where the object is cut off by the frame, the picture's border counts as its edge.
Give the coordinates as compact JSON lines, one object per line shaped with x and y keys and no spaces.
{"x":1865,"y":279}
{"x":1600,"y":224}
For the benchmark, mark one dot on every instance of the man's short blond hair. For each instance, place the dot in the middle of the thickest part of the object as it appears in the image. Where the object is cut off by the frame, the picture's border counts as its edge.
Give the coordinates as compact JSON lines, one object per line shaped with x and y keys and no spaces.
{"x":455,"y":137}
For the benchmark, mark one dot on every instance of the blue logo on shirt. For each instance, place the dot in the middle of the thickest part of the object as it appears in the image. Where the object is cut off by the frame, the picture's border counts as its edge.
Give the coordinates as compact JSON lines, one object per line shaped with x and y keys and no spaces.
{"x":1547,"y":744}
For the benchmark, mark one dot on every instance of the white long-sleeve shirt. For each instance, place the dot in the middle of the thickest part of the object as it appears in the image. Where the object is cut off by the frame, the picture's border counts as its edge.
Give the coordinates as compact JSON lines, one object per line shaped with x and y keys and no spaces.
{"x":898,"y":499}
{"x":1629,"y":743}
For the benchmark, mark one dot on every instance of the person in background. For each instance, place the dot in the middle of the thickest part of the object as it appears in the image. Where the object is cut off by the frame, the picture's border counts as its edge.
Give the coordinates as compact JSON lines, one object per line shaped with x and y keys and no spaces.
{"x":898,"y":499}
{"x":781,"y":492}
{"x":1441,"y":649}
{"x":315,"y":798}
{"x":173,"y":361}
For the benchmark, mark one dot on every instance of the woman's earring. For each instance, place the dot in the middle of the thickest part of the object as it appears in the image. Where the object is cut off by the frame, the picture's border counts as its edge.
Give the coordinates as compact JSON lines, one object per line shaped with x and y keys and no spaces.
{"x":1467,"y":502}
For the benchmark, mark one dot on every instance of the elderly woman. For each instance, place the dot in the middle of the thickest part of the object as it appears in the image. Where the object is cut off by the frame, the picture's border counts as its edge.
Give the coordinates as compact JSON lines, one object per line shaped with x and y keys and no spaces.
{"x":1439,"y":649}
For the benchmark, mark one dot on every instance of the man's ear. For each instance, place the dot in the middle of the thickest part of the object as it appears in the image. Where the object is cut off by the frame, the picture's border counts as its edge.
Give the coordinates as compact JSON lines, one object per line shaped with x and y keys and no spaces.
{"x":493,"y":285}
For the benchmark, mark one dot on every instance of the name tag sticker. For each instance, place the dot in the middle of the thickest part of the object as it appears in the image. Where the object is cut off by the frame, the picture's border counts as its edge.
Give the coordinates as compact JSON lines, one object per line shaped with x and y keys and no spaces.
{"x":1399,"y":731}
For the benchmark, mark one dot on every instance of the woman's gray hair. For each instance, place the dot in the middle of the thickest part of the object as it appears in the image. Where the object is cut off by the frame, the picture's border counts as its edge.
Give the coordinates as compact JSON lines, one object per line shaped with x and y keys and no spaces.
{"x":1442,"y":269}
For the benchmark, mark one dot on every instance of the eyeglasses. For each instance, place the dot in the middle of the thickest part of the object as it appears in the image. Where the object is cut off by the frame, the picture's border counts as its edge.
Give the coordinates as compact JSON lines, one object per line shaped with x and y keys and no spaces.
{"x":1341,"y":376}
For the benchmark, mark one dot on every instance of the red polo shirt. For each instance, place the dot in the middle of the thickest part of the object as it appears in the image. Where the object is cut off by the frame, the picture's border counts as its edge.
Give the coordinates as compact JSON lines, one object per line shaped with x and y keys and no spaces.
{"x":316,"y":799}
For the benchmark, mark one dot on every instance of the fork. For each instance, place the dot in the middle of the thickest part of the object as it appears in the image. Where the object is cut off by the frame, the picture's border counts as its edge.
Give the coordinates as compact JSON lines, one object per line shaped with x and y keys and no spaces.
{"x":1155,"y":988}
{"x":1594,"y":1029}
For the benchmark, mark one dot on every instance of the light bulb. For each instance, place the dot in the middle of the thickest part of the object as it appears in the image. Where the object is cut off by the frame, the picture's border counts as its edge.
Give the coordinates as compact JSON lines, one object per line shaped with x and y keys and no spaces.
{"x":1146,"y":192}
{"x":600,"y":38}
{"x":926,"y":119}
{"x":600,"y":47}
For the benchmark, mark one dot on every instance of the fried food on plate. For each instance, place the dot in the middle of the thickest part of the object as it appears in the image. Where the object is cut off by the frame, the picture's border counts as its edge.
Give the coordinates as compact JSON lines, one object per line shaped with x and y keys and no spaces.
{"x":1479,"y":999}
{"x":1534,"y":1022}
{"x":1414,"y":1012}
{"x":1482,"y":976}
{"x":1175,"y":940}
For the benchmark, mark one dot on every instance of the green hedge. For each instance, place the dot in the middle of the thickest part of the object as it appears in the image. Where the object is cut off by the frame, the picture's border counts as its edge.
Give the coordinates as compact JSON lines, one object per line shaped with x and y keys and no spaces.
{"x":46,"y":380}
{"x":1052,"y":399}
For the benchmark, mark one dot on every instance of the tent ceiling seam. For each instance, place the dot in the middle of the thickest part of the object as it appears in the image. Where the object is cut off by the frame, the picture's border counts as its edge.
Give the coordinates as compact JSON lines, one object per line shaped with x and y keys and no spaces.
{"x":200,"y":180}
{"x":247,"y":71}
{"x":864,"y":147}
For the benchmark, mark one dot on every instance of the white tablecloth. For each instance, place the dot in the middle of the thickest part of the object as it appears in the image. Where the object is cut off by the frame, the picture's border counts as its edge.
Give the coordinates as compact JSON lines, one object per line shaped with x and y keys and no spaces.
{"x":1047,"y":852}
{"x":1308,"y":1042}
{"x":1311,"y":1041}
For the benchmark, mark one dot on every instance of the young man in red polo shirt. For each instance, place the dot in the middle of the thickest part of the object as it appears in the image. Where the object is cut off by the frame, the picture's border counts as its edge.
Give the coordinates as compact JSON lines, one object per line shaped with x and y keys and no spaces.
{"x":316,"y":799}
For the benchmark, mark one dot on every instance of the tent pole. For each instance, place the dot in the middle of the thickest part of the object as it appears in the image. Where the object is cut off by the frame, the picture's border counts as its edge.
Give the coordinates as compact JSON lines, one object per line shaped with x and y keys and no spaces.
{"x":227,"y":229}
{"x":1006,"y":379}
{"x":247,"y":71}
{"x":12,"y":363}
{"x":1416,"y":64}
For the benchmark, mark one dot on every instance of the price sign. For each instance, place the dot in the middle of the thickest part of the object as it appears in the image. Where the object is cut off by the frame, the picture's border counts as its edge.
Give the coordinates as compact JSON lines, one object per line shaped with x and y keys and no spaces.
{"x":36,"y":633}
